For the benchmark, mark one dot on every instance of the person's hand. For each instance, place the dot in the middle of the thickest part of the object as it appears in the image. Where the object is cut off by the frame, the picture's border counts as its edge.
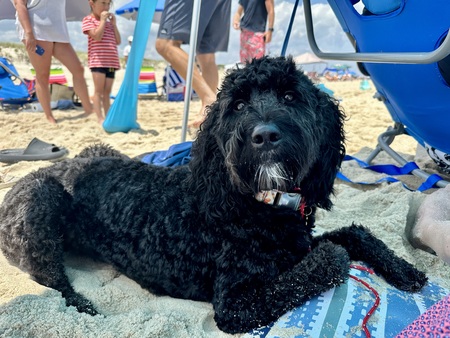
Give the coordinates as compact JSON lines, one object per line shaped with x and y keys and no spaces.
{"x":105,"y":16}
{"x":112,"y":18}
{"x":236,"y":21}
{"x":30,"y":42}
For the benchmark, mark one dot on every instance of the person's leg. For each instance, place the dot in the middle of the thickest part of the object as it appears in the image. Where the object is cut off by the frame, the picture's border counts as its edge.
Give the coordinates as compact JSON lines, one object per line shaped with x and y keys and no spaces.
{"x":209,"y":70}
{"x":99,"y":79}
{"x":171,"y":51}
{"x":210,"y":73}
{"x":107,"y":93}
{"x":41,"y":65}
{"x":432,"y":226}
{"x":65,"y":53}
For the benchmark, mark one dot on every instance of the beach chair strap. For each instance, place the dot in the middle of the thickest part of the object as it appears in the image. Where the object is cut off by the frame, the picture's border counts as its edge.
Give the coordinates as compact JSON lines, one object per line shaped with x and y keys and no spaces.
{"x":390,"y":170}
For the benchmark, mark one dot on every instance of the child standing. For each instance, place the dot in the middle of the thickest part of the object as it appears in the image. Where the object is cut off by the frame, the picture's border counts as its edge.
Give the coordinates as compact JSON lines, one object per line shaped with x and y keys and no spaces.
{"x":103,"y":57}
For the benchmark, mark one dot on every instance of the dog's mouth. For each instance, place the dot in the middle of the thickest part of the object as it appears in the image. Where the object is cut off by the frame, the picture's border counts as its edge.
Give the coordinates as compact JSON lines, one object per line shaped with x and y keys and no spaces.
{"x":273,"y":177}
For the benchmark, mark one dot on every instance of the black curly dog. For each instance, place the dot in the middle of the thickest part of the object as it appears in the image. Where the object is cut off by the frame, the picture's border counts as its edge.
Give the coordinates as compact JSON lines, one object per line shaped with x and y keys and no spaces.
{"x":197,"y":231}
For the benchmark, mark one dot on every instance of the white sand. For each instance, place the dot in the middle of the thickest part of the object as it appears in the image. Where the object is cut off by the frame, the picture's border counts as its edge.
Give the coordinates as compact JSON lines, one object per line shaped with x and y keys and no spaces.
{"x":30,"y":310}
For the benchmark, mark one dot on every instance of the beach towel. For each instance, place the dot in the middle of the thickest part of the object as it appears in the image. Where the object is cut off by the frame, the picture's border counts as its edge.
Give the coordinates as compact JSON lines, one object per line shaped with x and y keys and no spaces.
{"x":176,"y":155}
{"x":342,"y":311}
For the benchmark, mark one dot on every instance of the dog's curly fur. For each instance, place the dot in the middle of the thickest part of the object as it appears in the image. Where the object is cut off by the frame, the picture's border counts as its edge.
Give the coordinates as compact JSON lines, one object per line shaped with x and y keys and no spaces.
{"x":197,"y":232}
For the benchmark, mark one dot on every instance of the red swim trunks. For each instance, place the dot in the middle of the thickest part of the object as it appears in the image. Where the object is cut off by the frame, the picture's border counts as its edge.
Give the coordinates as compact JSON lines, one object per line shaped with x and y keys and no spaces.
{"x":252,"y":45}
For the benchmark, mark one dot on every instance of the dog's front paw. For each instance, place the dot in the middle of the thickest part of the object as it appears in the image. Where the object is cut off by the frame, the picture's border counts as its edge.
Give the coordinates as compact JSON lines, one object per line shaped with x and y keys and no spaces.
{"x":406,"y":277}
{"x":328,"y":265}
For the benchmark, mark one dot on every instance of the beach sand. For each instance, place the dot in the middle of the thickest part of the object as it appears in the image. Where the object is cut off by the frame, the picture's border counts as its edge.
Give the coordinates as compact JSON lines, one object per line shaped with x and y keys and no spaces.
{"x":28,"y":309}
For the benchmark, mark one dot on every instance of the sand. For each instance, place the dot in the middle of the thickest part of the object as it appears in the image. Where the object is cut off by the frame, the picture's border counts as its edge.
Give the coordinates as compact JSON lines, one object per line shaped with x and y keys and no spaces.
{"x":28,"y":309}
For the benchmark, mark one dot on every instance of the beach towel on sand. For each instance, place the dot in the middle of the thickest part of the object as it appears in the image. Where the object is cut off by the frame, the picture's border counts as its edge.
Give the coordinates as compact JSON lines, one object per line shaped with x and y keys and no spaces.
{"x":176,"y":155}
{"x":340,"y":312}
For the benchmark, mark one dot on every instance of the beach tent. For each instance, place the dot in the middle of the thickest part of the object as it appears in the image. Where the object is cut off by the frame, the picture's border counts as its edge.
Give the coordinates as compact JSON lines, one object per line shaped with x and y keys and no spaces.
{"x":310,"y":63}
{"x":75,"y":10}
{"x":307,"y":59}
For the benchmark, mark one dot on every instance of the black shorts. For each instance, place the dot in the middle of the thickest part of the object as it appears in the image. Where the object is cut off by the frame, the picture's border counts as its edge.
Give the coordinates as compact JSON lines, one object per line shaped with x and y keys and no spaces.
{"x":213,"y":26}
{"x":109,"y":72}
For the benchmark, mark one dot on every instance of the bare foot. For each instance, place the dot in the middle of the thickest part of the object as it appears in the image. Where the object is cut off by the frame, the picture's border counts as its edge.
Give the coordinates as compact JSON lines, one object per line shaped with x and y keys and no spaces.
{"x":432,"y":226}
{"x":199,"y":118}
{"x":196,"y":124}
{"x":51,"y":119}
{"x":100,"y":117}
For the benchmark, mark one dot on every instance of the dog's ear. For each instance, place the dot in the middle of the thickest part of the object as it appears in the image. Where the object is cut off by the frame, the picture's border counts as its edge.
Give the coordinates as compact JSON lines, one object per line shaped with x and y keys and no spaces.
{"x":318,"y":185}
{"x":209,"y":179}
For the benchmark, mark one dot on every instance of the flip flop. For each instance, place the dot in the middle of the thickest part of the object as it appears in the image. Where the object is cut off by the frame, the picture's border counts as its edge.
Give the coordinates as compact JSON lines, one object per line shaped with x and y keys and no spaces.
{"x":37,"y":150}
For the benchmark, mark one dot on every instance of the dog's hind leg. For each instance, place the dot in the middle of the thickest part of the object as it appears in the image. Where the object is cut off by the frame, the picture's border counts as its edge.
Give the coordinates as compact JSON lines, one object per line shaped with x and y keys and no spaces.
{"x":32,"y":218}
{"x":361,"y":245}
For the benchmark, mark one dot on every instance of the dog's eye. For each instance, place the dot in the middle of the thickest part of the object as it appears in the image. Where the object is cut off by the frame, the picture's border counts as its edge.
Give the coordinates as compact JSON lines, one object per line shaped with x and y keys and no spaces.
{"x":289,"y":96}
{"x":239,"y":105}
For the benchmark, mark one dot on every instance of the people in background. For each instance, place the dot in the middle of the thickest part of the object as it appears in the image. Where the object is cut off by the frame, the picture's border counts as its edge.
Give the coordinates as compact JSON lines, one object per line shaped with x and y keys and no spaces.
{"x":45,"y":36}
{"x":126,"y":50}
{"x":103,"y":56}
{"x":213,"y":35}
{"x":255,"y":19}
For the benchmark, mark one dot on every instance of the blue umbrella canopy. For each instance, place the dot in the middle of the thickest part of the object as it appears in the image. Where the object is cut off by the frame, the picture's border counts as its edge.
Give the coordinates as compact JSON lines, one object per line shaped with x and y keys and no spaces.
{"x":130,"y":10}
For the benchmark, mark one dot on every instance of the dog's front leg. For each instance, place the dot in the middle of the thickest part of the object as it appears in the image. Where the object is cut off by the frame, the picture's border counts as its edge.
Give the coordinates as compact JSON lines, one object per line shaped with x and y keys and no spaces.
{"x":361,"y":245}
{"x":243,"y":305}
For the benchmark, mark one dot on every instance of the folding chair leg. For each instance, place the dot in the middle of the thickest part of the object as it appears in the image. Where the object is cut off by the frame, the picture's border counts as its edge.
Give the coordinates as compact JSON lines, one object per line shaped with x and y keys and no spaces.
{"x":385,"y":139}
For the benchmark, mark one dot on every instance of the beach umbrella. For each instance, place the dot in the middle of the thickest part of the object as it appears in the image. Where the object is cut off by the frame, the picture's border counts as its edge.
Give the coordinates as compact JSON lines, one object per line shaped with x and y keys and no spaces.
{"x":340,"y":66}
{"x":307,"y":58}
{"x":75,"y":10}
{"x":130,"y":10}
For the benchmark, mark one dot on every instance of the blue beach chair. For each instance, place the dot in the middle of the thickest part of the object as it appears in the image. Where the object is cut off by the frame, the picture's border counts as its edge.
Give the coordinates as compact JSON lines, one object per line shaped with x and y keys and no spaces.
{"x":403,"y":46}
{"x":15,"y":92}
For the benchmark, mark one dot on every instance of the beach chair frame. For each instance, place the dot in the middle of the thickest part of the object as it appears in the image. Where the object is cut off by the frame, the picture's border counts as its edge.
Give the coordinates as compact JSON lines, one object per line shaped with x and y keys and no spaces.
{"x":20,"y":91}
{"x":355,"y":26}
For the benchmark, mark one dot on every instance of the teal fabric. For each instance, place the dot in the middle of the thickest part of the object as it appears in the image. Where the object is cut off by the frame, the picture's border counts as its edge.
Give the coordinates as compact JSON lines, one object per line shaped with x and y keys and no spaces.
{"x":122,"y":116}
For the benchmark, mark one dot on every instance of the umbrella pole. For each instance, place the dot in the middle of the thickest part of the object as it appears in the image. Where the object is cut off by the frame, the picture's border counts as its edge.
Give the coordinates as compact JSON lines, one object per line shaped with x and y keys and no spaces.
{"x":190,"y":68}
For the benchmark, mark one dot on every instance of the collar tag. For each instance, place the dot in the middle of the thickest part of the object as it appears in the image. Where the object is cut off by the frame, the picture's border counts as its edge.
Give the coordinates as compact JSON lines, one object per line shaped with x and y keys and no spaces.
{"x":278,"y":198}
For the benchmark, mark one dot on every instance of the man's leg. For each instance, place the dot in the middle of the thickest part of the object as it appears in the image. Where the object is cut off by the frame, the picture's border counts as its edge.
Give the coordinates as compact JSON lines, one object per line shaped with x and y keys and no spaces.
{"x":171,"y":51}
{"x":209,"y":70}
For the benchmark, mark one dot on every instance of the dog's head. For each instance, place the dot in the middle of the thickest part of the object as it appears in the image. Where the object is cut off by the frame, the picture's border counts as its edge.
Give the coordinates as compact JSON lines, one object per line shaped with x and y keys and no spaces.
{"x":270,"y":128}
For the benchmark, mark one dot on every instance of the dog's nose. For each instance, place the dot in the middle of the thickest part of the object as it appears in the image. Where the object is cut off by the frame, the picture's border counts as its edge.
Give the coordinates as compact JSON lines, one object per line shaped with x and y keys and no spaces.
{"x":266,"y":135}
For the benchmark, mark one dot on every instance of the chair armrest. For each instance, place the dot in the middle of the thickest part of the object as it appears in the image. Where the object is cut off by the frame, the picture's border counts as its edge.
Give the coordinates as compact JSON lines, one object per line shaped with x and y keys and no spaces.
{"x":406,"y":57}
